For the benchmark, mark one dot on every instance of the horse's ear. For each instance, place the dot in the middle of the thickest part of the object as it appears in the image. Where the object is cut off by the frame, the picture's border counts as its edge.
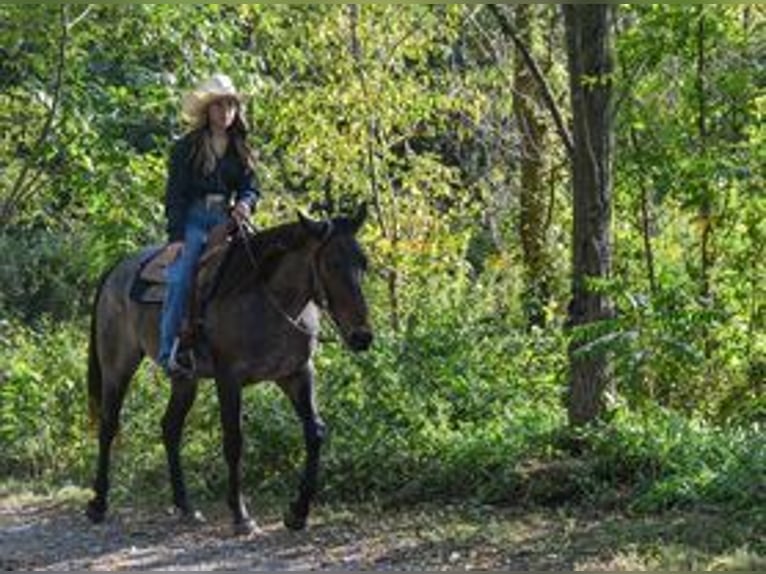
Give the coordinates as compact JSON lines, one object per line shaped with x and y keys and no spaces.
{"x":317,"y":229}
{"x":359,"y":217}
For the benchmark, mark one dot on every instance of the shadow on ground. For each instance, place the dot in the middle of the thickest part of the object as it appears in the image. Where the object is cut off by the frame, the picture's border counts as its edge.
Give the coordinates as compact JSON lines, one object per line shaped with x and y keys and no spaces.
{"x":51,"y":533}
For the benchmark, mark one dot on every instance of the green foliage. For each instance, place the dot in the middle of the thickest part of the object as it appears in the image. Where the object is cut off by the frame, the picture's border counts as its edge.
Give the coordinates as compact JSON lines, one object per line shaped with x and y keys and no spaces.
{"x":689,"y":231}
{"x":444,"y":414}
{"x":675,"y":351}
{"x":410,"y":109}
{"x":60,"y":292}
{"x":462,"y":407}
{"x":673,"y":460}
{"x":42,"y":422}
{"x":448,"y":411}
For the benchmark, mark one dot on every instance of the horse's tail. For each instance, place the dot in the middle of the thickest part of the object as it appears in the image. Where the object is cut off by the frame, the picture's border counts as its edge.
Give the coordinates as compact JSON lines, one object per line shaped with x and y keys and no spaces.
{"x":94,"y":365}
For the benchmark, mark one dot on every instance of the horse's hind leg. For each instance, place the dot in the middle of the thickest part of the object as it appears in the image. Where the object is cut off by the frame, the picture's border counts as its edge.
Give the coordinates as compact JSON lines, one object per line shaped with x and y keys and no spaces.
{"x":300,"y":389}
{"x":182,"y":397}
{"x":115,"y":386}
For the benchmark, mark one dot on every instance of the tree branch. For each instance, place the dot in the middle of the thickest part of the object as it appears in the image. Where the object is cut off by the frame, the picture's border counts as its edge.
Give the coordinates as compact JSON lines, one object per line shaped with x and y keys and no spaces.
{"x":17,"y":190}
{"x":81,"y":17}
{"x":529,"y":61}
{"x":372,"y":131}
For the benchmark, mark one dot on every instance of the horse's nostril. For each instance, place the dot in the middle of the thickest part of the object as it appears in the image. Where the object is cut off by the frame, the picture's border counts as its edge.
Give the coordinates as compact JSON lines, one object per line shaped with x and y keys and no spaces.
{"x":360,"y":340}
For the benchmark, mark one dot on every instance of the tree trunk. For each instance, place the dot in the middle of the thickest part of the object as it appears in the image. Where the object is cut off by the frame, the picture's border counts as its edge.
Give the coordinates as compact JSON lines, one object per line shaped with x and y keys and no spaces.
{"x":646,"y":218}
{"x":705,"y":209}
{"x":532,"y":215}
{"x":589,"y":50}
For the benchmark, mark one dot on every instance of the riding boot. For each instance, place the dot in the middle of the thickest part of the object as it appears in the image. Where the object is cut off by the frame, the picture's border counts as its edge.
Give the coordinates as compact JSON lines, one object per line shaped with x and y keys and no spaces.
{"x":181,"y":363}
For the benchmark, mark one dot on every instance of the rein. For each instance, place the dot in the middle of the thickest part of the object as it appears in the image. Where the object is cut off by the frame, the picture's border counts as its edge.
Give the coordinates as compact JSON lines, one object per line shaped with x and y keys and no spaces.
{"x":317,"y":294}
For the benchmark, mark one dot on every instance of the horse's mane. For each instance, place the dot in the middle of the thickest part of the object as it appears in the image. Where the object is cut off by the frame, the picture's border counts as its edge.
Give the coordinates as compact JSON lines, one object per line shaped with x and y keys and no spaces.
{"x":253,"y":256}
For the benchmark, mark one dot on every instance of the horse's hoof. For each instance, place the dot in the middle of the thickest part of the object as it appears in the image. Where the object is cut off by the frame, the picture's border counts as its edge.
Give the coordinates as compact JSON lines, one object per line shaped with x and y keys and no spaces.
{"x":294,"y":522}
{"x":95,"y":512}
{"x":195,"y":517}
{"x":190,"y":517}
{"x":246,"y":528}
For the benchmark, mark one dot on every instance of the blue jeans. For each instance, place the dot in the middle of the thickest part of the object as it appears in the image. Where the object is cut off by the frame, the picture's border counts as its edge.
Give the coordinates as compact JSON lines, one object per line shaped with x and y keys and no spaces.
{"x":180,"y":274}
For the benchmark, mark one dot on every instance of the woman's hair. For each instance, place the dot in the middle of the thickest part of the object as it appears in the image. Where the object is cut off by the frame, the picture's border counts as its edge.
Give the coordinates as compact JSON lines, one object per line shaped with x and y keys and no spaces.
{"x":203,"y":155}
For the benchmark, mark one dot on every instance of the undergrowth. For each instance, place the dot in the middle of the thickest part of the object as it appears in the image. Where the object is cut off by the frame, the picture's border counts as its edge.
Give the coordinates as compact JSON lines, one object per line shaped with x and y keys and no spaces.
{"x":439,"y":414}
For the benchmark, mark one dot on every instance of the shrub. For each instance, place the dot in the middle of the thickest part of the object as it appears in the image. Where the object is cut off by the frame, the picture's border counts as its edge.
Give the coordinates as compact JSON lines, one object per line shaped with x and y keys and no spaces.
{"x":43,"y":427}
{"x":672,"y":460}
{"x":458,"y":406}
{"x":43,"y":274}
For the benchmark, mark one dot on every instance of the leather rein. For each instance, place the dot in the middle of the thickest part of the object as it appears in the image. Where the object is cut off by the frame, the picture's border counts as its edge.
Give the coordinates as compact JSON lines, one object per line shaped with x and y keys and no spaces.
{"x":317,"y":294}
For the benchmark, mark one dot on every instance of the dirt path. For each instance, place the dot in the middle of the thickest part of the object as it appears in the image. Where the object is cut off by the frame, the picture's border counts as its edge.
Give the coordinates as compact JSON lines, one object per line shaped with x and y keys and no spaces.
{"x":51,"y":533}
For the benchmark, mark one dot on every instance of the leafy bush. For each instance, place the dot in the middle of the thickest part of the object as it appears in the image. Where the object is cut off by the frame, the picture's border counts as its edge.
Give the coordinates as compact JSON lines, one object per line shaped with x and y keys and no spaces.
{"x":679,"y":353}
{"x":450,"y":407}
{"x":672,"y":460}
{"x":43,"y":426}
{"x":43,"y":274}
{"x":440,"y":412}
{"x":401,"y":421}
{"x":458,"y":406}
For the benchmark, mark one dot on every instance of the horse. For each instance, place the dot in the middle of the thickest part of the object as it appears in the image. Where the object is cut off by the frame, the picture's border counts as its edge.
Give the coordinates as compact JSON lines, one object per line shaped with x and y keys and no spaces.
{"x":261,"y":323}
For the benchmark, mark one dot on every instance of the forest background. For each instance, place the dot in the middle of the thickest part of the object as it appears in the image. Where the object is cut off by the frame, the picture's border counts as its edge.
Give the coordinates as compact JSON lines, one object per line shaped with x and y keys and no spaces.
{"x":451,"y":121}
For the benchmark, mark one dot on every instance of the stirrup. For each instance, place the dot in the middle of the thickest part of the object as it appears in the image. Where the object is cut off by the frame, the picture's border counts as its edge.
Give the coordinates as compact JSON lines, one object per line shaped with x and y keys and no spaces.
{"x":181,"y":363}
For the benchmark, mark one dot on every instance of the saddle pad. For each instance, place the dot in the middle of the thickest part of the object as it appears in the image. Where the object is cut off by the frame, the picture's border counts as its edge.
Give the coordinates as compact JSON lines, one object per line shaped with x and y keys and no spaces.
{"x":150,"y":281}
{"x":148,"y":284}
{"x":153,"y":270}
{"x":143,"y":292}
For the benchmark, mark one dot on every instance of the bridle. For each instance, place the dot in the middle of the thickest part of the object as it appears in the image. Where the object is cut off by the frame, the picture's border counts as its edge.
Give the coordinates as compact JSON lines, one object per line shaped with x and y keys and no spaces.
{"x":318,"y":293}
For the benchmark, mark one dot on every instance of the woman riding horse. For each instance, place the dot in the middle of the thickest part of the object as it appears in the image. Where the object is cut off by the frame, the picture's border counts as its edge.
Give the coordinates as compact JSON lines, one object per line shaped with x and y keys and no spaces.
{"x":209,"y":166}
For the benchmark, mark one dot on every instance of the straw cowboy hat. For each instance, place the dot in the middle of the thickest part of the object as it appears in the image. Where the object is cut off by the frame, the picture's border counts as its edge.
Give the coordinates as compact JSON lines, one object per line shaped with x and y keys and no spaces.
{"x":195,"y":102}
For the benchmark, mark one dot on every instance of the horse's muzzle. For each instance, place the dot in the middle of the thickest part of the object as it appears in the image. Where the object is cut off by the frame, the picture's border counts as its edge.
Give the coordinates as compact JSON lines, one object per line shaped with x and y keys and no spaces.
{"x":360,"y":340}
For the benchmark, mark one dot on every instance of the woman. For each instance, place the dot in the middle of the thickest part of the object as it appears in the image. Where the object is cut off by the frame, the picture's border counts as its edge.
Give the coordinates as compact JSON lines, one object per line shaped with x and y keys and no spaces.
{"x":211,"y":166}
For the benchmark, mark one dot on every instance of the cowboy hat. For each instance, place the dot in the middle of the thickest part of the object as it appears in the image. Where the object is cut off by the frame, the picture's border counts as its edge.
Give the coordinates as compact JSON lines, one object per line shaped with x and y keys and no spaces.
{"x":196,"y":101}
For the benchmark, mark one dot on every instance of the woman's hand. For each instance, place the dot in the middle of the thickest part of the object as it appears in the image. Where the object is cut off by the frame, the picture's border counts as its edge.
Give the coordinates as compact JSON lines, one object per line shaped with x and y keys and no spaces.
{"x":241,"y":211}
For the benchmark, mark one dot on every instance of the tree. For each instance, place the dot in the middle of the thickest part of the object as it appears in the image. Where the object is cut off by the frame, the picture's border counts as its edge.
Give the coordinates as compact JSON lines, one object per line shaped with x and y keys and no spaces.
{"x":533,"y":200}
{"x":590,"y":60}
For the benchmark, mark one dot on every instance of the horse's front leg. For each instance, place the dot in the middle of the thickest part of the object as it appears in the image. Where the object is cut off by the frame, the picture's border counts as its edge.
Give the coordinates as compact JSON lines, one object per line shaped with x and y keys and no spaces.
{"x":230,"y":399}
{"x":300,"y":389}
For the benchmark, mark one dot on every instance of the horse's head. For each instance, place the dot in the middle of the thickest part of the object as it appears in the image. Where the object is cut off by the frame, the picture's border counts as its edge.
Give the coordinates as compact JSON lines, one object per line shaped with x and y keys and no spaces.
{"x":340,"y":264}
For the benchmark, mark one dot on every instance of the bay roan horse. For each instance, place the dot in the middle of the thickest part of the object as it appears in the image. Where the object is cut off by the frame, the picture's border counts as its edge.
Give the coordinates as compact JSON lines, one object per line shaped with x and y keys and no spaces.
{"x":261,"y":323}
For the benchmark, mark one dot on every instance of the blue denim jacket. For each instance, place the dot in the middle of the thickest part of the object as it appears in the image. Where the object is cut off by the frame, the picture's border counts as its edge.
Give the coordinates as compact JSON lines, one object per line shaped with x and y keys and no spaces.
{"x":231,"y":177}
